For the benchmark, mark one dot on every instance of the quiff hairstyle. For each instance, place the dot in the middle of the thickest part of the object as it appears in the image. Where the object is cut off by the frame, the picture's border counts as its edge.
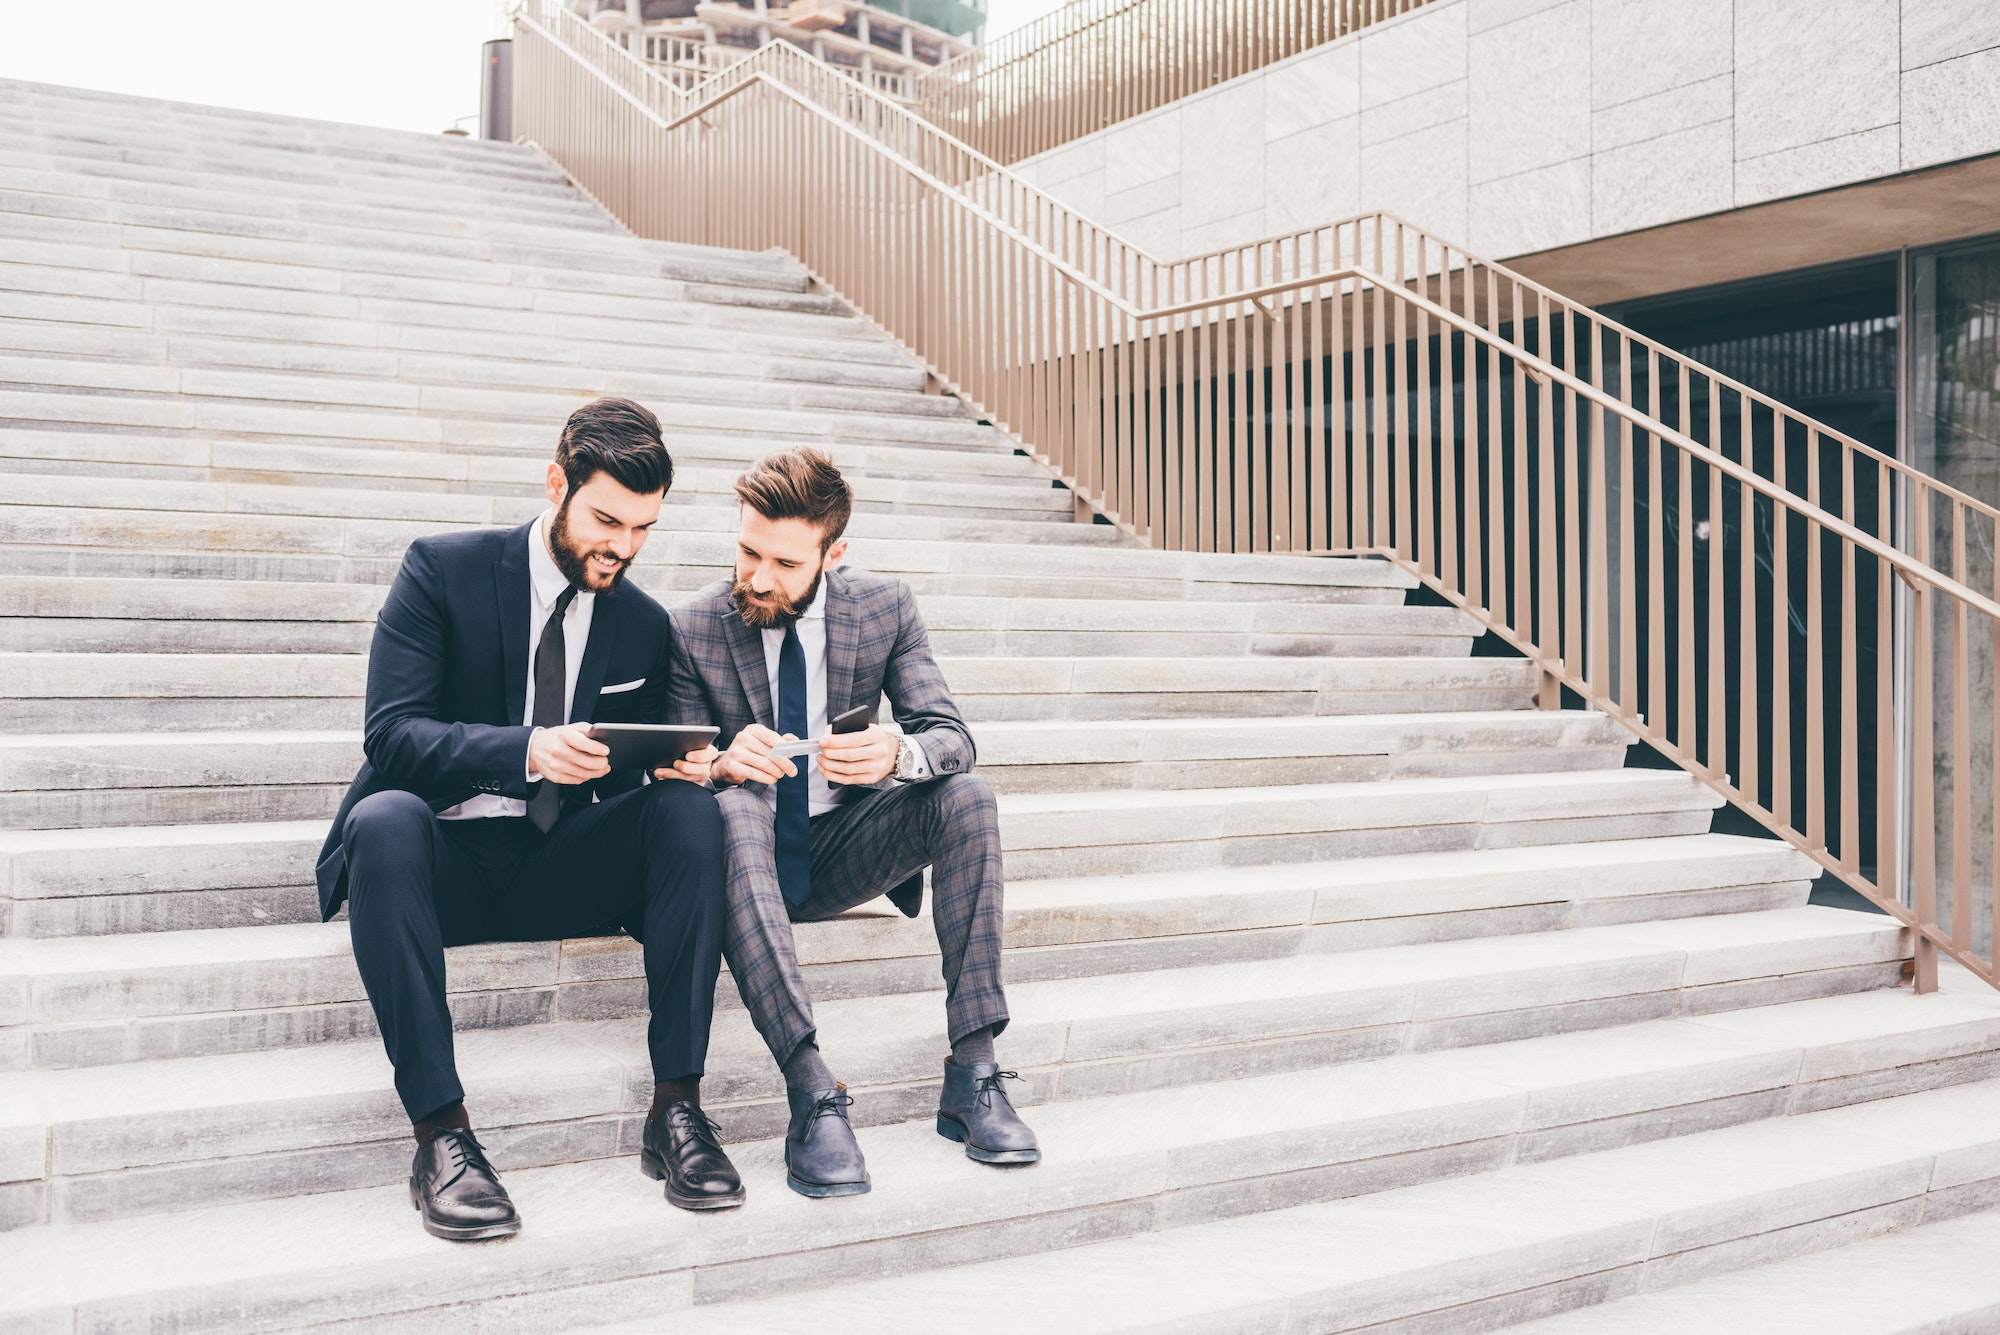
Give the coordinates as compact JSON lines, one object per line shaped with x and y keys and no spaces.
{"x":799,"y":483}
{"x":619,"y":437}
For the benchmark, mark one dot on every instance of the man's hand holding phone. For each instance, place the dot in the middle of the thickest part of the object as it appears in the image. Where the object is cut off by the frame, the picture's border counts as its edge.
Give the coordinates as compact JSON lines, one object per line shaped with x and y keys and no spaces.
{"x":863,"y":758}
{"x":749,"y":758}
{"x":567,"y":754}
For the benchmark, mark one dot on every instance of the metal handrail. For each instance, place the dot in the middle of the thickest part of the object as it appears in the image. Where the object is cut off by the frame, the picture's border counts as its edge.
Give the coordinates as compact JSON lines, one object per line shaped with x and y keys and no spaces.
{"x":1368,"y":389}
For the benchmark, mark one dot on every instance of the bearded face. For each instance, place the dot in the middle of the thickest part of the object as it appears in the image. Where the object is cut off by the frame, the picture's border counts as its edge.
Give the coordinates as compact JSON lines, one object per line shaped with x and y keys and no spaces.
{"x":772,"y":610}
{"x":595,"y":569}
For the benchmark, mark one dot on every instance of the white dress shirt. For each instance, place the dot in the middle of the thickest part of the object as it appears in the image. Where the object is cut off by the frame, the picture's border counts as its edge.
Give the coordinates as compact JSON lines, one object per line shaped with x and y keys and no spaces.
{"x":545,"y":585}
{"x":820,"y":795}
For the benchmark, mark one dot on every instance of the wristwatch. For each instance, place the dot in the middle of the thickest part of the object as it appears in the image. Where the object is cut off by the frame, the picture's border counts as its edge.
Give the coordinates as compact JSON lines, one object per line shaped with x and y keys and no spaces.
{"x":906,"y":761}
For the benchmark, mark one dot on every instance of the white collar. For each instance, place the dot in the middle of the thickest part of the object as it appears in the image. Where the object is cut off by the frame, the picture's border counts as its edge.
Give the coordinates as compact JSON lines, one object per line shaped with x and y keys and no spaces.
{"x":548,"y":581}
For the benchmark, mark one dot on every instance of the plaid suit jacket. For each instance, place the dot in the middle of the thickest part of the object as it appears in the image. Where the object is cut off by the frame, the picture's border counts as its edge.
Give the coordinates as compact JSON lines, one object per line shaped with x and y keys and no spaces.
{"x":876,"y":645}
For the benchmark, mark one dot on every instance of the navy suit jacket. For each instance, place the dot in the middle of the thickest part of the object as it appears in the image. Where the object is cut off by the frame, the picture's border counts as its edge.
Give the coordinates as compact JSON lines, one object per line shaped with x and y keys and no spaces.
{"x":448,"y":681}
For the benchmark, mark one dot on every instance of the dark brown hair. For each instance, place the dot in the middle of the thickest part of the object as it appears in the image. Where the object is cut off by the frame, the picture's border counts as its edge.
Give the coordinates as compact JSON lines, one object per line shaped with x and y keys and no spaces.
{"x":619,"y":437}
{"x":799,"y":483}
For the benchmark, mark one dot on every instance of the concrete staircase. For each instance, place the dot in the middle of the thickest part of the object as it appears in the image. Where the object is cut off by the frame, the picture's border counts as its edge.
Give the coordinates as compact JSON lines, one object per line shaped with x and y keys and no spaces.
{"x":1350,"y":991}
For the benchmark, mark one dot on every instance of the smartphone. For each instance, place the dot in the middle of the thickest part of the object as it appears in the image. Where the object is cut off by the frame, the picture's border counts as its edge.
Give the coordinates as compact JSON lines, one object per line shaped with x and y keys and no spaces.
{"x":856,"y":719}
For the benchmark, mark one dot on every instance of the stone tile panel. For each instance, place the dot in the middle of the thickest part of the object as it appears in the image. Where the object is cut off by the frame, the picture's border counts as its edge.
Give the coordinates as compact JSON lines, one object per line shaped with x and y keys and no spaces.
{"x":1535,"y":210}
{"x":1675,"y":176}
{"x":1808,"y":70}
{"x":1642,"y":48}
{"x":1312,"y":89}
{"x":1426,"y":50}
{"x":1817,"y":166}
{"x":1532,"y":110}
{"x":1951,"y":110}
{"x":1934,"y":30}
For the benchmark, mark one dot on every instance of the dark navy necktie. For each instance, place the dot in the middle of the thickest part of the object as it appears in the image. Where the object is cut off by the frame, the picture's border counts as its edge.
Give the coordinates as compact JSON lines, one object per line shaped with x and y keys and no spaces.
{"x":551,"y":685}
{"x":794,"y":807}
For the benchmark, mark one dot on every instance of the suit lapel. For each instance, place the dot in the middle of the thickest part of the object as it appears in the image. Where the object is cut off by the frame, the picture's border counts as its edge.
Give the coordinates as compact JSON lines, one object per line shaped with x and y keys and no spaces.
{"x":604,"y":617}
{"x":746,"y":646}
{"x":843,"y":645}
{"x":510,"y":590}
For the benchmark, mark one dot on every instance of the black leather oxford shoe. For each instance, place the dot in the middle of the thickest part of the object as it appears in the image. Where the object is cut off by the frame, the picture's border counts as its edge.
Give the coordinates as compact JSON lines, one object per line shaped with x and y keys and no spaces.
{"x":683,"y":1148}
{"x":454,"y":1189}
{"x":821,"y":1156}
{"x":973,"y":1110}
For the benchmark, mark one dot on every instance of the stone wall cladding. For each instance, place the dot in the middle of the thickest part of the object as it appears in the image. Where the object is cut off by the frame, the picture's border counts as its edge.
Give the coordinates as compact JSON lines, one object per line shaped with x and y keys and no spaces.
{"x":1516,"y":126}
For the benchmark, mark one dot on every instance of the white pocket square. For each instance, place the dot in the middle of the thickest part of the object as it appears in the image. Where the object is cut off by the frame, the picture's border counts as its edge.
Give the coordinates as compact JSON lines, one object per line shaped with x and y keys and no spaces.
{"x":632,"y":685}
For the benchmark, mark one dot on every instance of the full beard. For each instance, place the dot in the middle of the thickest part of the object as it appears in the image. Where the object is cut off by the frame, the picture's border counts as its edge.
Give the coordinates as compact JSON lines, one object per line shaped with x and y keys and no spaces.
{"x":575,"y":563}
{"x":779,"y":611}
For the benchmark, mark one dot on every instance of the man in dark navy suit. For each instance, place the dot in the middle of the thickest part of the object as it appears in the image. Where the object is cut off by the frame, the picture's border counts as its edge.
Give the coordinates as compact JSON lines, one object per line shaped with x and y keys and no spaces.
{"x":484,"y":812}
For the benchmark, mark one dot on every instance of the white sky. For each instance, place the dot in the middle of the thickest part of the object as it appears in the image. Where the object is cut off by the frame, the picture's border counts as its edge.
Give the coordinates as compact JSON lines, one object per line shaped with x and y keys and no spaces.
{"x":408,"y":64}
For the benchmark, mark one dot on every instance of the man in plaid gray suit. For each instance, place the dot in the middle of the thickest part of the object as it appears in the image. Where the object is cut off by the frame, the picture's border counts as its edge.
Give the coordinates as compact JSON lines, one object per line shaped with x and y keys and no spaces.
{"x":776,"y":655}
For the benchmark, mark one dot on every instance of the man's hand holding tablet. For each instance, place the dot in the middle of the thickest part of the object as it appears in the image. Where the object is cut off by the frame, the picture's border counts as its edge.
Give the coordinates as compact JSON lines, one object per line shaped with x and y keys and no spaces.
{"x":694,"y":766}
{"x":669,"y":752}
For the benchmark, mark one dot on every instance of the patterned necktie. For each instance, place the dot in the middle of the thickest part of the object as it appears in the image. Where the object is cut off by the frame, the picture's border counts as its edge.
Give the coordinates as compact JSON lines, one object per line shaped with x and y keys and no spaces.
{"x":794,"y":809}
{"x":551,"y":682}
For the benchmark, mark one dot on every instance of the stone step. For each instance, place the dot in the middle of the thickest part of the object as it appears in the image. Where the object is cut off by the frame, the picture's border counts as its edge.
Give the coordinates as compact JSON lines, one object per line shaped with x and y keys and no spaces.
{"x":32,"y":292}
{"x":249,"y":872}
{"x":1044,"y":560}
{"x":1414,"y":1205}
{"x":75,"y":779}
{"x":579,"y":242}
{"x":88,"y":140}
{"x":896,"y":531}
{"x":691,"y":555}
{"x":511,"y":472}
{"x":108,"y":1000}
{"x":339,"y":479}
{"x":169,"y":252}
{"x":58,"y":321}
{"x":522,"y":299}
{"x":420,"y":353}
{"x":446,"y":428}
{"x":133,"y":115}
{"x":936,"y":554}
{"x":108,"y":1143}
{"x":494,"y":241}
{"x":218,"y":616}
{"x":249,"y":226}
{"x":260,"y":875}
{"x":61,"y":165}
{"x":240,"y":206}
{"x":1917,"y":1278}
{"x":121,"y":150}
{"x":37,"y":506}
{"x":1466,"y":1253}
{"x":189,"y":518}
{"x":48,"y":692}
{"x":419,"y":385}
{"x":198,"y":271}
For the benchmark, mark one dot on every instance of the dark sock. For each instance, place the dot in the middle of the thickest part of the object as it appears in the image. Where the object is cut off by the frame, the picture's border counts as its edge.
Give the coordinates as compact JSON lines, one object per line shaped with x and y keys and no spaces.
{"x":685,"y":1090}
{"x":805,"y":1069}
{"x":451,"y":1116}
{"x":973,"y":1049}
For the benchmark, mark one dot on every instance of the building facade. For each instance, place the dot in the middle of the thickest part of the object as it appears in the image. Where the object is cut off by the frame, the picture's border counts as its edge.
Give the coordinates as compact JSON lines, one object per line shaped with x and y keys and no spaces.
{"x":1802,"y":193}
